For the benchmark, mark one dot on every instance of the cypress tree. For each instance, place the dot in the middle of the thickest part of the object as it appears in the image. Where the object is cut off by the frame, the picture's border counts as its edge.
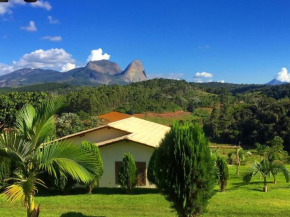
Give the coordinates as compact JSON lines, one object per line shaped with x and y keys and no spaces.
{"x":184,"y":170}
{"x":151,"y":168}
{"x":128,"y":173}
{"x":223,"y":173}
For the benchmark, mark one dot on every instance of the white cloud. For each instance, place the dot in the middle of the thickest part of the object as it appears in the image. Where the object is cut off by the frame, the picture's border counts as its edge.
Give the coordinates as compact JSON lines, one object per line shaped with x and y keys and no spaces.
{"x":175,"y":76}
{"x":221,"y":81}
{"x":30,"y":28}
{"x":283,"y":75}
{"x":57,"y":59}
{"x":42,"y":4}
{"x":53,"y":38}
{"x":203,"y":75}
{"x":67,"y":67}
{"x":6,"y":8}
{"x":4,"y":69}
{"x":98,"y":55}
{"x":53,"y":58}
{"x":198,"y":80}
{"x":52,"y":20}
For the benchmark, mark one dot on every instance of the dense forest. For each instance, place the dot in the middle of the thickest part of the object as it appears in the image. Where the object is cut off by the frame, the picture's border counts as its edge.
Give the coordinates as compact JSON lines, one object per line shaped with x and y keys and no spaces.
{"x":240,"y":113}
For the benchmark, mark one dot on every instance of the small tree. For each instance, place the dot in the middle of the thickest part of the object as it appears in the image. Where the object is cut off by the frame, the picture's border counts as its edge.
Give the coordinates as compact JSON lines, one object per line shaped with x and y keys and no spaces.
{"x":239,"y":157}
{"x":128,"y":173}
{"x":184,"y":169}
{"x":29,"y":147}
{"x":92,"y":148}
{"x":265,"y":168}
{"x":223,"y":173}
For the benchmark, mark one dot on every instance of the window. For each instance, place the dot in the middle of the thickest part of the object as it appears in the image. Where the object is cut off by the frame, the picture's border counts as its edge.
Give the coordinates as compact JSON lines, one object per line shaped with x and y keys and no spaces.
{"x":141,"y":172}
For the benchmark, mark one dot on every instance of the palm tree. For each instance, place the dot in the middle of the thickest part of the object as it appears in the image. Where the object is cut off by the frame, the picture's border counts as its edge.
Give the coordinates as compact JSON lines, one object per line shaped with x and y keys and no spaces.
{"x":279,"y":168}
{"x":264,"y":169}
{"x":30,"y":148}
{"x":240,"y":155}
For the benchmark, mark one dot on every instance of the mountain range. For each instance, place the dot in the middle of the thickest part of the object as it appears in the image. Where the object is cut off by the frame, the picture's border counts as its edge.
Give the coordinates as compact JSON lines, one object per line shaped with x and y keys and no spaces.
{"x":94,"y":73}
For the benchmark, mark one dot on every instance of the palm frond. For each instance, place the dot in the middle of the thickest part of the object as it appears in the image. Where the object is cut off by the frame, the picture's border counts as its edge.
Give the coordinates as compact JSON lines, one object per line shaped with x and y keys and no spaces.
{"x":69,"y":158}
{"x":25,"y":119}
{"x":37,"y":126}
{"x":277,"y":167}
{"x":13,"y":193}
{"x":248,"y":177}
{"x":14,"y":147}
{"x":22,"y":189}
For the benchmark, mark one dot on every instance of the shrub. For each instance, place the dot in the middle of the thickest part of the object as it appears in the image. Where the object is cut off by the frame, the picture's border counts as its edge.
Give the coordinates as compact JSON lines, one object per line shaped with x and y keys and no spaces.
{"x":223,"y":173}
{"x":184,"y":169}
{"x":128,"y":173}
{"x":5,"y":170}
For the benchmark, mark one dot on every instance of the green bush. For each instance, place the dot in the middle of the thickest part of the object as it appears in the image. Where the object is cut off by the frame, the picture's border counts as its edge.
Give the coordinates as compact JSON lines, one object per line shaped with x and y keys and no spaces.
{"x":5,"y":170}
{"x":128,"y":173}
{"x":223,"y":173}
{"x":184,"y":169}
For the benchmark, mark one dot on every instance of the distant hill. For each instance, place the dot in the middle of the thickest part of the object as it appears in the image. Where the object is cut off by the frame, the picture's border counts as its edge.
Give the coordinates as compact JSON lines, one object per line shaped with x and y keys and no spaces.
{"x":276,"y":82}
{"x":94,"y":74}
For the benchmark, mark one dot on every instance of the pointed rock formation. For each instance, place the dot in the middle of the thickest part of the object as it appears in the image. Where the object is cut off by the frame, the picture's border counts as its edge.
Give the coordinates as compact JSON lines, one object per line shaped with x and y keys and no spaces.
{"x":135,"y":72}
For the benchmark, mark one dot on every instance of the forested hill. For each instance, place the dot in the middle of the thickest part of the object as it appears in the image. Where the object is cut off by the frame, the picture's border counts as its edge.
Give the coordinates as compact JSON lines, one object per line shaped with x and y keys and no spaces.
{"x":241,"y":113}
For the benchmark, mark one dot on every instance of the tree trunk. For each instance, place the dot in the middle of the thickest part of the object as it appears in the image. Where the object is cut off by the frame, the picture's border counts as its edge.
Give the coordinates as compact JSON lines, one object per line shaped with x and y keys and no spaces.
{"x":90,"y":189}
{"x":238,"y":162}
{"x":31,"y":206}
{"x":275,"y":182}
{"x":265,"y":189}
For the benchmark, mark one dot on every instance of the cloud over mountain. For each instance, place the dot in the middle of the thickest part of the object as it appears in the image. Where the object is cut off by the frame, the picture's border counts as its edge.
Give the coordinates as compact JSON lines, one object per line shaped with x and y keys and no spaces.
{"x":57,"y":59}
{"x":283,"y":75}
{"x":203,"y":75}
{"x":98,"y":55}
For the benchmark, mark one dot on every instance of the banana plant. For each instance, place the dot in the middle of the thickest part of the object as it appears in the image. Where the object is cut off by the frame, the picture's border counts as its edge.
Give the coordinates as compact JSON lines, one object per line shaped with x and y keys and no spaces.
{"x":32,"y":150}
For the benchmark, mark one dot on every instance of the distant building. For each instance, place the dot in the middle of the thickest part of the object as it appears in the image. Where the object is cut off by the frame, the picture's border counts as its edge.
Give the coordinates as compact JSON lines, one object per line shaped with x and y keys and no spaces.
{"x":131,"y":134}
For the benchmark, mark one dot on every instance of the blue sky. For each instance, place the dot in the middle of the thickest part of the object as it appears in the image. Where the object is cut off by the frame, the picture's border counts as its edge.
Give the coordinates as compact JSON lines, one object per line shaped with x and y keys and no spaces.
{"x":241,"y":41}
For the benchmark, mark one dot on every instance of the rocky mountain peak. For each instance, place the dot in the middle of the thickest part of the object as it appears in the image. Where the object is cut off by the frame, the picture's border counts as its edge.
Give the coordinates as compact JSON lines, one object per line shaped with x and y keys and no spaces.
{"x":104,"y":66}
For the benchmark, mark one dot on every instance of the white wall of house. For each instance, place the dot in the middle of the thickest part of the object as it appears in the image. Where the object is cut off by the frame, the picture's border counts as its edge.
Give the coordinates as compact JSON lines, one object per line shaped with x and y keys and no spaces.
{"x":114,"y":152}
{"x":99,"y":135}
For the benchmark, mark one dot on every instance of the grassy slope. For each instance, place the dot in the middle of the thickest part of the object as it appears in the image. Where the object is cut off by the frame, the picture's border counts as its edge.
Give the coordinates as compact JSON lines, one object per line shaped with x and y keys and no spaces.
{"x":170,"y":117}
{"x":239,"y":200}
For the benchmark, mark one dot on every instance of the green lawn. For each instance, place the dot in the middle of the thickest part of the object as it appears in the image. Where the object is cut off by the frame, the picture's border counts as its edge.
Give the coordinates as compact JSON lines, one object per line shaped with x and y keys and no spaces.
{"x":170,"y":119}
{"x":239,"y":200}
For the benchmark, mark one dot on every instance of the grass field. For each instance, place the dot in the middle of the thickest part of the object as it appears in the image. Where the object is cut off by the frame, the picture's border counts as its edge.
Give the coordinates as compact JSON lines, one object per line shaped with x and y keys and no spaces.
{"x":238,"y":200}
{"x":169,"y":117}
